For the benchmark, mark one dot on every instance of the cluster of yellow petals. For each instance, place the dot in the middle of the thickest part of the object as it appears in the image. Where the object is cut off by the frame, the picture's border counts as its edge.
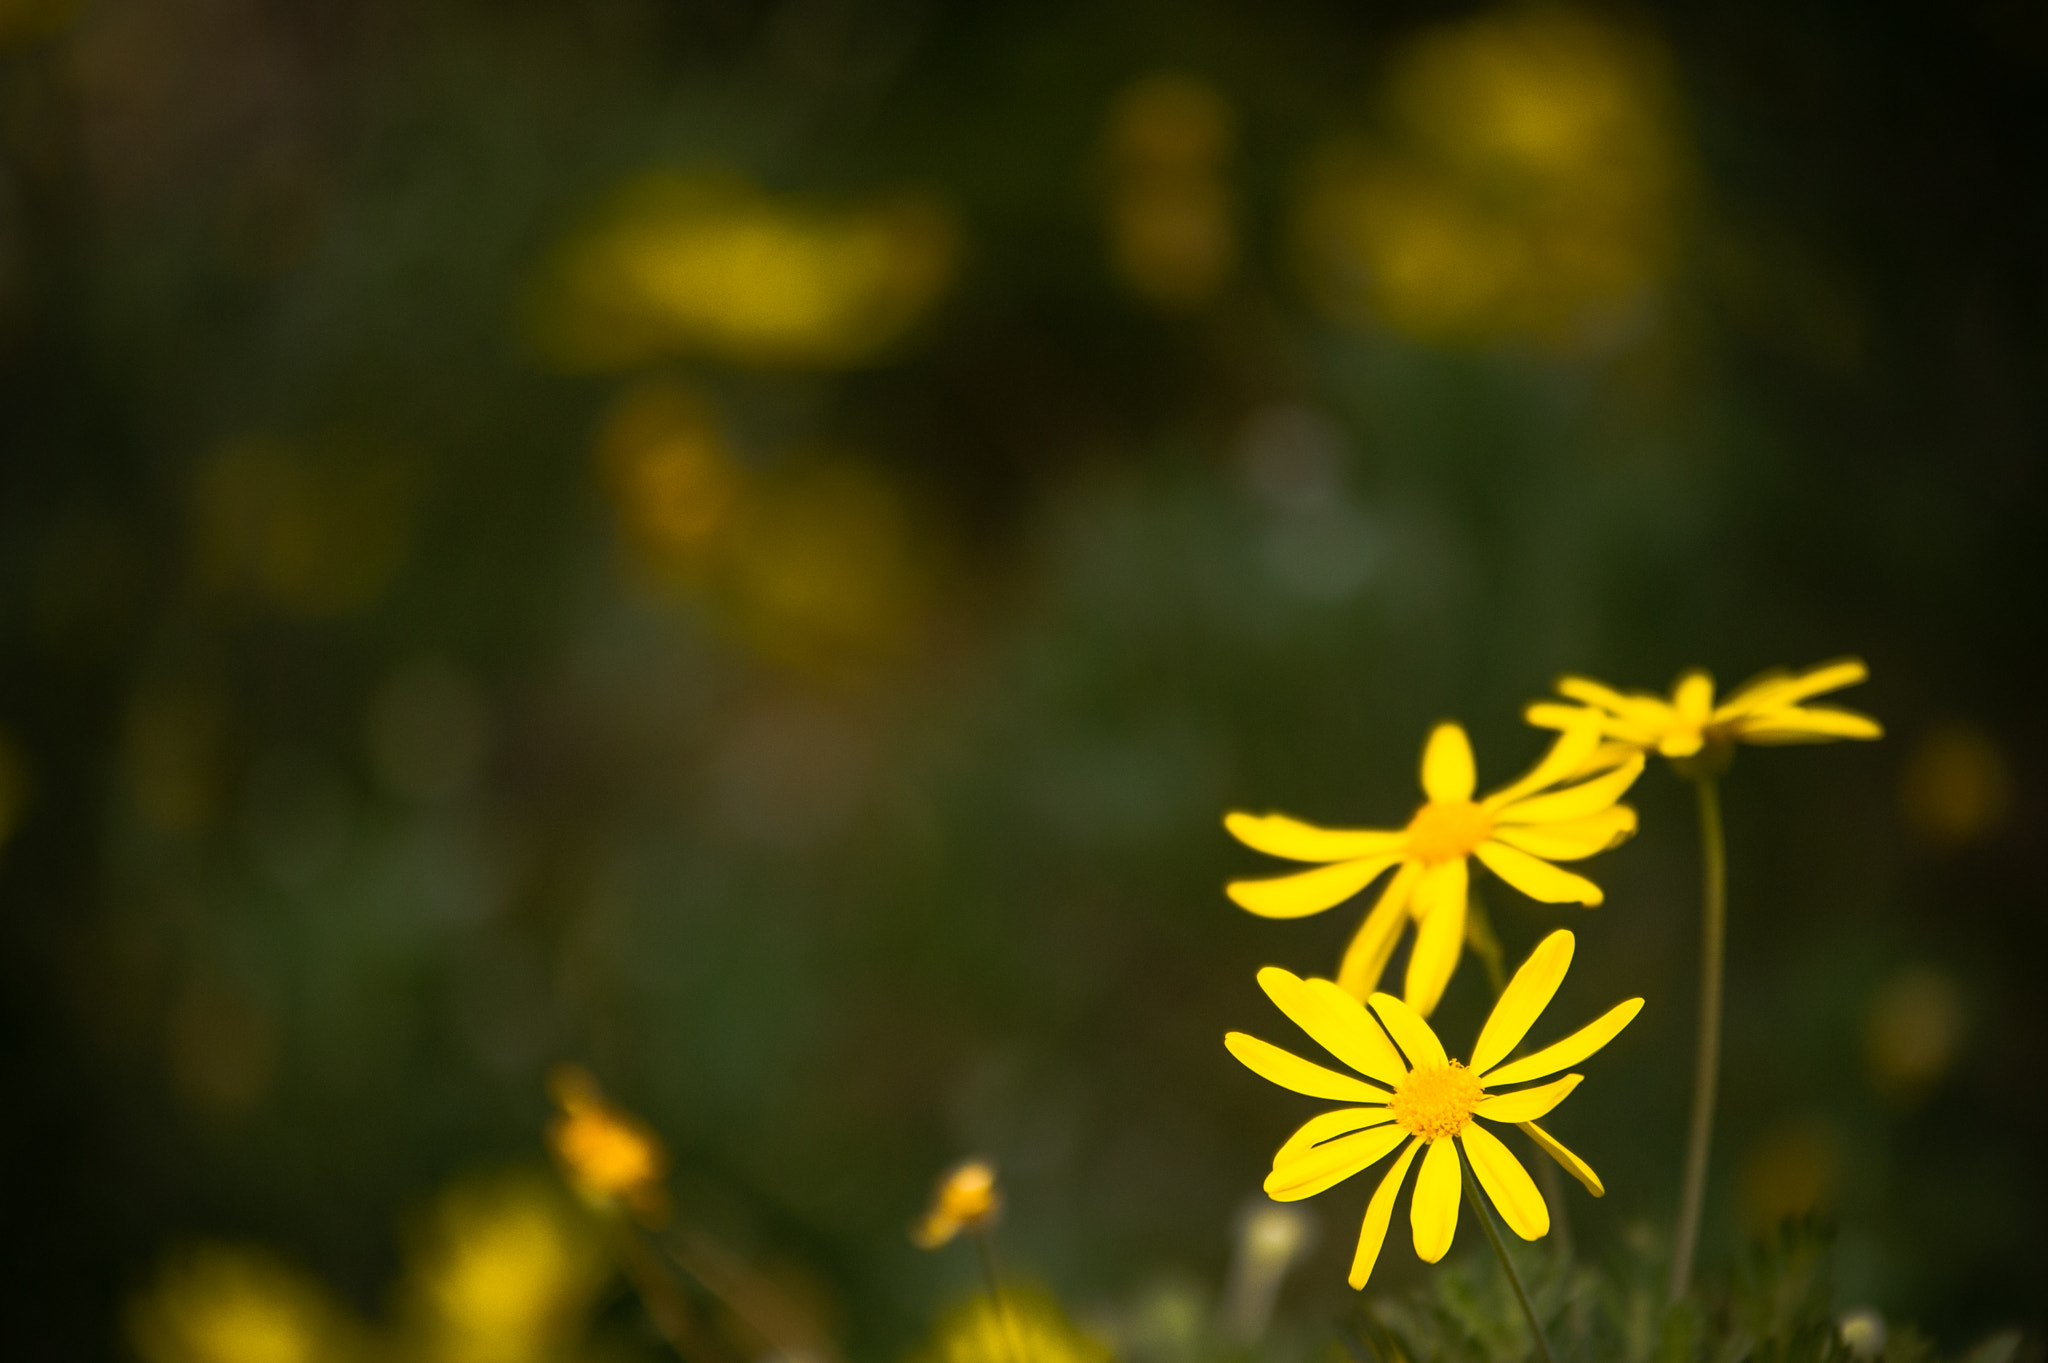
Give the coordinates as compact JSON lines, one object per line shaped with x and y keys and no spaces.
{"x":967,"y":1198}
{"x":1557,"y":812}
{"x":1770,"y":709}
{"x":608,"y":1156}
{"x":1430,"y":1104}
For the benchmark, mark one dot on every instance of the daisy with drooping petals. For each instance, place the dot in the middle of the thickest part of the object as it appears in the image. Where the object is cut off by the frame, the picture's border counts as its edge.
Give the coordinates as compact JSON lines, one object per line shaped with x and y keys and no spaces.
{"x":1431,"y":1106}
{"x":1769,"y":709}
{"x":1516,"y":832}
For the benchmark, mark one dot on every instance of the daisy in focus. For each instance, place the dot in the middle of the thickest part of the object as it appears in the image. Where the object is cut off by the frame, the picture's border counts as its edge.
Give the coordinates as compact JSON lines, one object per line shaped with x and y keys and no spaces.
{"x":1769,"y":709}
{"x":1432,"y":1106}
{"x":1516,"y":832}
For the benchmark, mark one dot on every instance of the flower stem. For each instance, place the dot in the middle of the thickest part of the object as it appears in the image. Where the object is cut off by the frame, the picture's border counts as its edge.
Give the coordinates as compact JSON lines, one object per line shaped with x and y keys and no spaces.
{"x":985,"y":1249}
{"x":1707,"y":1067}
{"x":1500,"y":1251}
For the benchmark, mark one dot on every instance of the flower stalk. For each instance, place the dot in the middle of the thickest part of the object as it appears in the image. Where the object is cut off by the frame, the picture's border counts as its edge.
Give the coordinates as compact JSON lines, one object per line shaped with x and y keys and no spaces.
{"x":1500,"y":1251}
{"x":1707,"y":1065}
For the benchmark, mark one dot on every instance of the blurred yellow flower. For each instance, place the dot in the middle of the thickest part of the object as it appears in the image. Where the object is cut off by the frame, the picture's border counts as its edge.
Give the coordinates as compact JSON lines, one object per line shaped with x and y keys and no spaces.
{"x":967,"y":1198}
{"x":1516,"y":832}
{"x":1526,"y":184}
{"x":712,"y":265}
{"x":1026,"y":1326}
{"x":674,"y":486}
{"x":1769,"y":709}
{"x":217,"y":1304}
{"x":1430,"y":1101}
{"x":609,"y":1157}
{"x":503,"y":1271}
{"x":1955,"y":788}
{"x":1172,"y":225}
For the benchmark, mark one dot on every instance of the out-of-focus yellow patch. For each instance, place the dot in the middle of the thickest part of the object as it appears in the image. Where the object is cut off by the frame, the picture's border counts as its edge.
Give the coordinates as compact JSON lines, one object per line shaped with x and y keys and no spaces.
{"x":1171,"y":216}
{"x":822,"y":573}
{"x":1526,"y":185}
{"x":711,"y":265}
{"x":220,"y":1043}
{"x":25,"y":21}
{"x":1956,"y":787}
{"x":220,"y":1304}
{"x":1791,"y":1172}
{"x":609,"y":1156}
{"x":308,"y":530}
{"x":967,"y":1198}
{"x":674,"y":486}
{"x":1912,"y":1032}
{"x":171,"y":752}
{"x":503,"y":1270}
{"x":1026,"y":1326}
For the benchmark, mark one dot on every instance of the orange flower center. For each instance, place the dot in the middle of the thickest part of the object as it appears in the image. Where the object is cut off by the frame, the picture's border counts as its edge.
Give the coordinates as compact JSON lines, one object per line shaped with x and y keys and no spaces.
{"x":1435,"y":1101}
{"x":1447,"y":829}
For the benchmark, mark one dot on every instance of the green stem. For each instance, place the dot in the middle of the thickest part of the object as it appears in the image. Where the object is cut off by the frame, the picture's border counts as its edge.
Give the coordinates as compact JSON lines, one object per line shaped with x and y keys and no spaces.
{"x":1500,"y":1250}
{"x":1707,"y":1068}
{"x":986,"y":1251}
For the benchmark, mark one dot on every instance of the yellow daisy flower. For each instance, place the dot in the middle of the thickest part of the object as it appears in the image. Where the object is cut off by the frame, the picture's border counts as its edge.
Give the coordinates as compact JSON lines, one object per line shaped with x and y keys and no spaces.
{"x":1517,"y":832}
{"x":1768,"y":709}
{"x":1430,"y":1101}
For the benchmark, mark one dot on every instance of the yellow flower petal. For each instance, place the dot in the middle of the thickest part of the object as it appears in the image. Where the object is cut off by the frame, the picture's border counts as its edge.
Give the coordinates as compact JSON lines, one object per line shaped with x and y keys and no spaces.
{"x":1526,"y":1105}
{"x":1433,"y":1211}
{"x":1535,"y":877}
{"x":1572,"y":839}
{"x":1551,"y":714}
{"x":1693,"y":697}
{"x":1524,"y":1000}
{"x":1373,"y":1232}
{"x":1447,"y":773}
{"x":1440,"y":939}
{"x":1507,"y":1184}
{"x":1338,"y":1022}
{"x":1365,"y":960}
{"x":1307,"y":892}
{"x":1805,"y":724}
{"x":1280,"y":836}
{"x":1410,"y":1032}
{"x":1325,"y":1166}
{"x":1593,"y":693}
{"x":1567,"y":756}
{"x":1573,"y":802}
{"x":1566,"y":1053}
{"x":1573,"y":1165}
{"x":1778,"y":687}
{"x":1290,"y":1071}
{"x":1327,"y":1126}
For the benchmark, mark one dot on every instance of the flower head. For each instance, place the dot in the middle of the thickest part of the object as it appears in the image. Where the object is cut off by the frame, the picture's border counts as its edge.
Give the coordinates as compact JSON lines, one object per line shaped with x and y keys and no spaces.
{"x":1689,"y":727}
{"x":967,"y":1198}
{"x":1516,"y":832}
{"x":1432,"y":1105}
{"x":608,"y":1156}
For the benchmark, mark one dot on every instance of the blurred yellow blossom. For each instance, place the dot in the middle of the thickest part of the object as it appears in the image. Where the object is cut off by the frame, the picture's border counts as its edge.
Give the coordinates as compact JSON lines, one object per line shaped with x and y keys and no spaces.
{"x":1429,"y":1102}
{"x":672,"y":480}
{"x":1517,"y":832}
{"x":1026,"y":1326}
{"x":608,"y":1156}
{"x":1768,"y":709}
{"x":1172,"y":224}
{"x":308,"y":529}
{"x":967,"y":1198}
{"x":1791,"y":1172}
{"x":221,"y":1304}
{"x":1526,"y":184}
{"x":1956,"y":787}
{"x":712,"y":265}
{"x":503,"y":1270}
{"x":1912,"y":1031}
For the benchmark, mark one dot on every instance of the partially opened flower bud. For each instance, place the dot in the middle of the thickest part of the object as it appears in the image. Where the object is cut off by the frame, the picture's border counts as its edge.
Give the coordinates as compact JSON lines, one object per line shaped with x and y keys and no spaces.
{"x":608,"y":1157}
{"x":967,"y":1198}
